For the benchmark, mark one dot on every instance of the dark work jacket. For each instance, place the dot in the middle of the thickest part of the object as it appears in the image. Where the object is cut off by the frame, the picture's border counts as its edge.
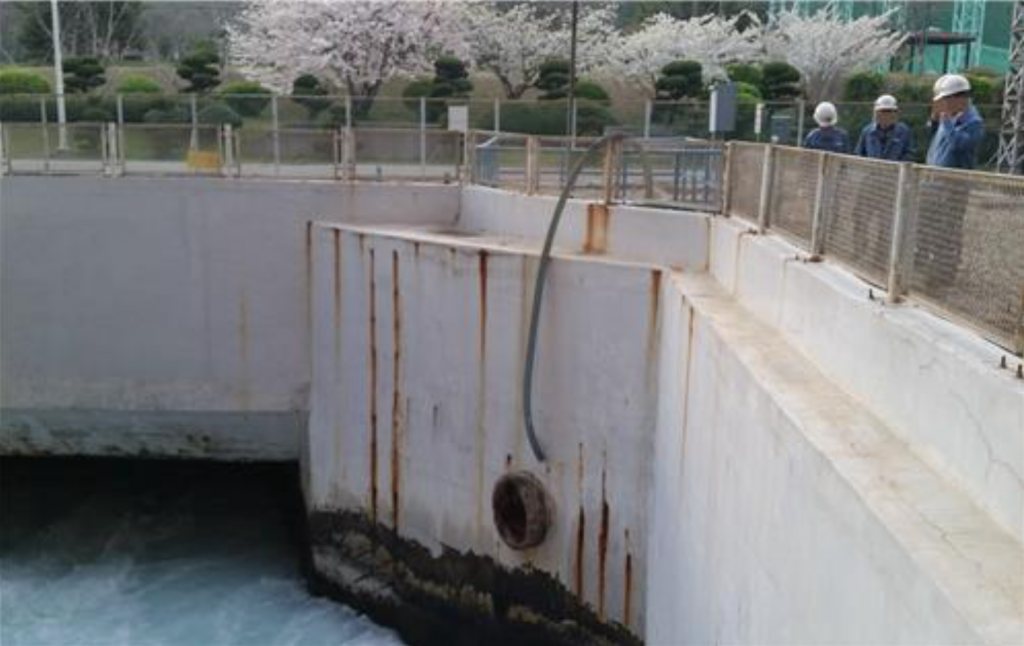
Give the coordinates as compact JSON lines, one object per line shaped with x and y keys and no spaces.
{"x":895,"y":143}
{"x":831,"y":139}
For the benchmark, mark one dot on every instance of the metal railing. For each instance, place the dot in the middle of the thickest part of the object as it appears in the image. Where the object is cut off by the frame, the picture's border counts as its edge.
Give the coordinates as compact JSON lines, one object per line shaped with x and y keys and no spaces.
{"x":673,"y":172}
{"x":200,"y":149}
{"x":952,"y":240}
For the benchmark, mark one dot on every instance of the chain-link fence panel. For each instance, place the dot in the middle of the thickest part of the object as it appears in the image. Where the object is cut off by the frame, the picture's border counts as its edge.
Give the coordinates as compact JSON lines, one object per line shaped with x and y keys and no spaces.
{"x":968,"y":249}
{"x":675,"y":171}
{"x":858,"y":213}
{"x":746,"y":166}
{"x":793,"y":192}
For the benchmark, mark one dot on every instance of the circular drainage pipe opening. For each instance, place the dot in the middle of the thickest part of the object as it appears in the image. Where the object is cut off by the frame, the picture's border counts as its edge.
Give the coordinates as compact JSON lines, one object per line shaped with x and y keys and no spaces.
{"x":522,"y":513}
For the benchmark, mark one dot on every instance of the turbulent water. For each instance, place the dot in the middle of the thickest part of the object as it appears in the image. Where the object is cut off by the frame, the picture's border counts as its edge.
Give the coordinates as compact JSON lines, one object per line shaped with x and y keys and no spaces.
{"x":104,"y":553}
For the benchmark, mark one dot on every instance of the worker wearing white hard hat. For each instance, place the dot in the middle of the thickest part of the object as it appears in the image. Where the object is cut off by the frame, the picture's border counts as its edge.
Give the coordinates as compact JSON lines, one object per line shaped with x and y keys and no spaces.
{"x":958,"y":131}
{"x":886,"y":137}
{"x":958,"y":128}
{"x":827,"y":136}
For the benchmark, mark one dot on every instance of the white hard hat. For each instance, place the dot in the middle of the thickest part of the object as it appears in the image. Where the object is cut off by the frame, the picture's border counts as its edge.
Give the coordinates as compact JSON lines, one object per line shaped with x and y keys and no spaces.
{"x":825,"y":114}
{"x":950,"y":84}
{"x":886,"y":102}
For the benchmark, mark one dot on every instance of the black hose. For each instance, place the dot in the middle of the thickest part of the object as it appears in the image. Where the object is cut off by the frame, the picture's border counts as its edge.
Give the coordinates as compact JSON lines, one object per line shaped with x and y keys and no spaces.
{"x":538,"y":288}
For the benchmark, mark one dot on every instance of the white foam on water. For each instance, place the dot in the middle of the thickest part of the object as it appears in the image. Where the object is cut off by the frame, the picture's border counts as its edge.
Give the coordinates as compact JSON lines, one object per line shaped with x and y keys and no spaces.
{"x":134,"y":567}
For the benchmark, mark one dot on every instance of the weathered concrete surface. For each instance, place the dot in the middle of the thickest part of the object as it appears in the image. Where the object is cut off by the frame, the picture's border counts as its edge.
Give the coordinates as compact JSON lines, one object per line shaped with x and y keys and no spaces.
{"x":676,"y":239}
{"x":168,"y":295}
{"x":419,"y":341}
{"x":788,"y":513}
{"x":937,"y":386}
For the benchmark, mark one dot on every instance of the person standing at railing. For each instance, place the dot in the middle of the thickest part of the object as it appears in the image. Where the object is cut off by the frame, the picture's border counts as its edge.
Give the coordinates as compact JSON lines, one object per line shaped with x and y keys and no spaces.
{"x":827,"y":136}
{"x":958,"y":130}
{"x":886,"y":137}
{"x":956,"y":125}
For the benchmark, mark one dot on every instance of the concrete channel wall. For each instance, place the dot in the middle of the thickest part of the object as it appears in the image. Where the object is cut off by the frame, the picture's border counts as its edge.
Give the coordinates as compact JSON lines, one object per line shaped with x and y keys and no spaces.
{"x":744,"y":447}
{"x":168,"y":316}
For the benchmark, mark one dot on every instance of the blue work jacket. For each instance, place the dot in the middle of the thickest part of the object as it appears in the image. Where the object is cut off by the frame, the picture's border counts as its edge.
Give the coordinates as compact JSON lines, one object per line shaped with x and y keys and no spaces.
{"x":895,"y":143}
{"x":831,"y":139}
{"x":956,"y":141}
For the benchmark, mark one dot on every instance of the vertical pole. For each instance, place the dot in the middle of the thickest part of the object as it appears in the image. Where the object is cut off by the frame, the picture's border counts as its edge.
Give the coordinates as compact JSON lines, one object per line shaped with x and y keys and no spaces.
{"x":801,"y":111}
{"x":573,"y":103}
{"x":764,"y":206}
{"x":497,"y":115}
{"x":348,"y":112}
{"x":900,"y":253}
{"x":648,"y":110}
{"x":58,"y":76}
{"x":336,"y":144}
{"x":229,"y":153}
{"x":116,"y":151}
{"x":726,"y":179}
{"x":46,"y":134}
{"x":194,"y":110}
{"x":4,"y":161}
{"x":105,"y":149}
{"x":532,"y":165}
{"x":820,"y":199}
{"x":423,"y":138}
{"x":608,"y":172}
{"x":276,"y":134}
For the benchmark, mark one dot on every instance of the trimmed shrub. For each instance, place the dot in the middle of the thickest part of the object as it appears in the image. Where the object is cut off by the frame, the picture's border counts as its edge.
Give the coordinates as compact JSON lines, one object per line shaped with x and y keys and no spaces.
{"x":201,"y":68}
{"x":83,"y":74}
{"x":680,"y":80}
{"x":246,"y":98}
{"x":553,"y":79}
{"x":219,"y":113}
{"x":138,"y":85}
{"x":17,"y":81}
{"x":588,"y":90}
{"x":745,"y":73}
{"x":414,"y":91}
{"x":985,"y":90}
{"x":780,"y":81}
{"x":549,"y":118}
{"x":305,"y":89}
{"x":747,"y":93}
{"x":864,"y":86}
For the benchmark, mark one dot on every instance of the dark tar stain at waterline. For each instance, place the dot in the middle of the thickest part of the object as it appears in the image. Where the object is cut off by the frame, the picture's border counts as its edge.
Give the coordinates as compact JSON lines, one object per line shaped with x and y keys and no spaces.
{"x":154,"y":553}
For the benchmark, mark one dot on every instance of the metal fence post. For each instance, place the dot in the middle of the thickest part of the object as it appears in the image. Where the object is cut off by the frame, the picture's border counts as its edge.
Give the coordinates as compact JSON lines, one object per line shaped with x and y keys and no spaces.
{"x":497,"y":114}
{"x":423,"y":138}
{"x":820,"y":199}
{"x":5,"y":161}
{"x":348,"y":112}
{"x":901,"y":253}
{"x":193,"y":143}
{"x":726,"y":197}
{"x":764,"y":206}
{"x":648,"y":110}
{"x":608,"y":175}
{"x":348,"y":151}
{"x":572,"y":123}
{"x":801,"y":111}
{"x":46,"y":134}
{"x":229,"y":152}
{"x":276,"y":134}
{"x":105,"y":149}
{"x":532,"y":164}
{"x":336,"y":144}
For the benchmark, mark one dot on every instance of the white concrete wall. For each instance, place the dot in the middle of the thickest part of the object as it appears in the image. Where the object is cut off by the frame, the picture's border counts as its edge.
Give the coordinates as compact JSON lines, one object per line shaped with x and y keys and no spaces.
{"x":676,"y":239}
{"x":165,"y":296}
{"x":419,"y":342}
{"x":937,"y":386}
{"x":784,"y":512}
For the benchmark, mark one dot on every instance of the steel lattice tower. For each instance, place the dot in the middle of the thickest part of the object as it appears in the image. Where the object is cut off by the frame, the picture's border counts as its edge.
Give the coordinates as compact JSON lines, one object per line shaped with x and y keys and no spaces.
{"x":969,"y":18}
{"x":1010,"y":158}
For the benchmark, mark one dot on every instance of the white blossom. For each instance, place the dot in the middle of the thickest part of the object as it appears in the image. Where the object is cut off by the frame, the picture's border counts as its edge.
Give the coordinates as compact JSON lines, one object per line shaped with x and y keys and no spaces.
{"x":713,"y":41}
{"x":357,"y":45}
{"x":825,"y":48}
{"x":513,"y":41}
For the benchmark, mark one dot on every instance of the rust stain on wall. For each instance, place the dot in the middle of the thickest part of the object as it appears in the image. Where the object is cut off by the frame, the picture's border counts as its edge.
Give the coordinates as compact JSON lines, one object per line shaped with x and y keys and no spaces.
{"x":596,"y":241}
{"x":481,"y":398}
{"x":396,"y":398}
{"x":580,"y":527}
{"x":602,"y":543}
{"x":373,"y":387}
{"x":627,"y":603}
{"x":581,"y":532}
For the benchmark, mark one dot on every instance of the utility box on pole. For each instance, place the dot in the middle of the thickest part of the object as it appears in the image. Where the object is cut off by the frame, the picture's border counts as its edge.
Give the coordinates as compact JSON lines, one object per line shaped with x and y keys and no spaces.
{"x":722,"y":115}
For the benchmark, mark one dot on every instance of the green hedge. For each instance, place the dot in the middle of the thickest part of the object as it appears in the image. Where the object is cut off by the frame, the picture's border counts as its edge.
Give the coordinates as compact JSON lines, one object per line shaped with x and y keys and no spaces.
{"x":18,"y":81}
{"x":252,"y":98}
